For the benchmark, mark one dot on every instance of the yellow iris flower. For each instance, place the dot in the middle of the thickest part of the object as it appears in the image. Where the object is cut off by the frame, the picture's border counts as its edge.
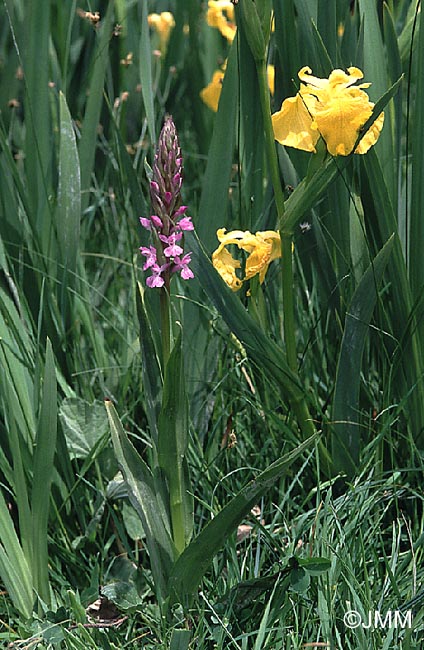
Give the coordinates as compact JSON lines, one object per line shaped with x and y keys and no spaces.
{"x":212,"y":92}
{"x":263,"y":247}
{"x":333,"y":108}
{"x":163,"y":23}
{"x":221,"y":16}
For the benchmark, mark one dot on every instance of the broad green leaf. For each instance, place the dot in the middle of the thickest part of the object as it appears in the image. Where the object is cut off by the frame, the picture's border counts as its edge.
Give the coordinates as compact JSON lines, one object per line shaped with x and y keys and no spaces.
{"x":123,"y":594}
{"x":83,"y":425}
{"x":68,"y":212}
{"x":300,"y":580}
{"x":45,"y":447}
{"x":144,"y":498}
{"x":197,"y":557}
{"x":172,"y":447}
{"x":346,"y":429}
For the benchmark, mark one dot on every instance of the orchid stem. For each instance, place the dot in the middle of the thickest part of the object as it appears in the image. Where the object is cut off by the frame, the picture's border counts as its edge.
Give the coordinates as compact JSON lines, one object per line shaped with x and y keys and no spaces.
{"x":165,"y":326}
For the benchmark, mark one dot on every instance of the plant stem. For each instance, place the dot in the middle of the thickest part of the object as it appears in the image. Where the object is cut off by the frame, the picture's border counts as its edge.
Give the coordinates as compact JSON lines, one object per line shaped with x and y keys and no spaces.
{"x":164,"y":325}
{"x":177,"y":511}
{"x":269,"y":137}
{"x":300,"y":407}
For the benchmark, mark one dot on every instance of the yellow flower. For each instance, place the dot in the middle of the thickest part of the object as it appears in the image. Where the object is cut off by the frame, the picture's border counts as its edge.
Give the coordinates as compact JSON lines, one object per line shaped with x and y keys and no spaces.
{"x":263,"y":247}
{"x":270,"y":69}
{"x":221,"y":15}
{"x":163,"y":24}
{"x":332,"y":108}
{"x":212,"y":92}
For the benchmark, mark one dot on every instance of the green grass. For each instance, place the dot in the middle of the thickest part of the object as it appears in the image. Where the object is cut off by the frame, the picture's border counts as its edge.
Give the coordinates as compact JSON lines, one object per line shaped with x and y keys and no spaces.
{"x":341,"y":519}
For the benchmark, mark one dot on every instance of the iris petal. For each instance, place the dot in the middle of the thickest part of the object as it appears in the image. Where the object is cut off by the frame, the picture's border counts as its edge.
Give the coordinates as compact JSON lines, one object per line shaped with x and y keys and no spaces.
{"x":335,"y":109}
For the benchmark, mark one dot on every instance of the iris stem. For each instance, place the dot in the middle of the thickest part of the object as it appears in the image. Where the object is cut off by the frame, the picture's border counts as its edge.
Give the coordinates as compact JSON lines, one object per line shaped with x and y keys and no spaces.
{"x":300,"y":407}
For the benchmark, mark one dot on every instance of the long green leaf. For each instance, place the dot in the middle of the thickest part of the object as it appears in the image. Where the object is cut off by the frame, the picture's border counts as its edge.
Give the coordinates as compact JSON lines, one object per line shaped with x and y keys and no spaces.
{"x":87,"y":145}
{"x":45,"y":447}
{"x":13,"y":339}
{"x":376,"y":73}
{"x":383,"y":224}
{"x":196,"y":559}
{"x":68,"y":202}
{"x":38,"y":123}
{"x":416,"y":226}
{"x":346,"y":431}
{"x":212,"y":214}
{"x":213,"y":205}
{"x":172,"y":447}
{"x":19,"y":482}
{"x":146,"y":72}
{"x":15,"y":569}
{"x":146,"y":500}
